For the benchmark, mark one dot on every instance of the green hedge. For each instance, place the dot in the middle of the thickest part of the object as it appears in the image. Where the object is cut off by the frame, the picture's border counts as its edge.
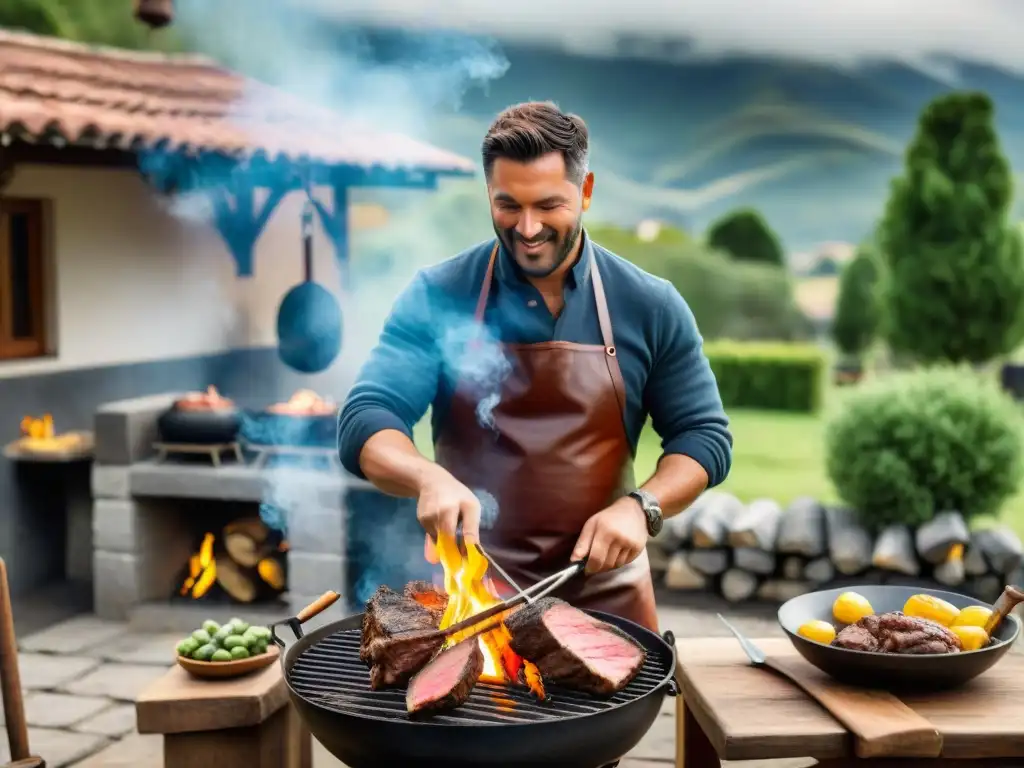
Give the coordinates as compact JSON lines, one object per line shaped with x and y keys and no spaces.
{"x":730,"y":299}
{"x":779,"y":376}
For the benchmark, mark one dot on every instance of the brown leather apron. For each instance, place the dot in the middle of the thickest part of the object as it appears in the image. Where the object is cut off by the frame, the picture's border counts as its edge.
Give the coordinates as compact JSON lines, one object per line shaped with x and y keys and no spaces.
{"x":555,"y":453}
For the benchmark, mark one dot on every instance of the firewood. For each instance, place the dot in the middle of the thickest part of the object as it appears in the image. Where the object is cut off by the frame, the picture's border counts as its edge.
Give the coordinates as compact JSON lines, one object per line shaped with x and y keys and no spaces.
{"x":241,"y":584}
{"x":246,"y":541}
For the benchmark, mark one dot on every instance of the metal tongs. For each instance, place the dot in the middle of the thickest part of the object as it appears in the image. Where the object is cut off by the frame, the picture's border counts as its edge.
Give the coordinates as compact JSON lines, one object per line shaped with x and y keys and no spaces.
{"x":542,"y":588}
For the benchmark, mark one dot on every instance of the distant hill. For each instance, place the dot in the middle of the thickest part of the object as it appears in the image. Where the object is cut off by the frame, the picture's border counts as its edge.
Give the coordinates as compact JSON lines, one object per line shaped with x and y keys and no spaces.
{"x":814,"y":148}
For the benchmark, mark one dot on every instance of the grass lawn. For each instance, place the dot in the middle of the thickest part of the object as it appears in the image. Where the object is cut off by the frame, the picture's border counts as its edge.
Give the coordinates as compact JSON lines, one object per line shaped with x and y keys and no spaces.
{"x":778,"y":456}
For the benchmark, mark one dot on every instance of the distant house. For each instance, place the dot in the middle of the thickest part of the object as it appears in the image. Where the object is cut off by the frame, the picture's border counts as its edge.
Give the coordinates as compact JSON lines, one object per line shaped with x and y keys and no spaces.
{"x":114,"y":281}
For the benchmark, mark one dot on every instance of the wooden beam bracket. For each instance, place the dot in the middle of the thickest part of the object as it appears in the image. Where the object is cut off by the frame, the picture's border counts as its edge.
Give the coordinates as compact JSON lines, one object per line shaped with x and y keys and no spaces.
{"x":240,"y":223}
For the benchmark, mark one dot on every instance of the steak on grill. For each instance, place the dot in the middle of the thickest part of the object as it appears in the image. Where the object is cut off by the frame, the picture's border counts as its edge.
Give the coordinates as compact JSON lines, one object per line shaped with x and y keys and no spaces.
{"x":447,"y":681}
{"x":895,"y":632}
{"x":428,"y":595}
{"x":398,"y":637}
{"x":574,"y":649}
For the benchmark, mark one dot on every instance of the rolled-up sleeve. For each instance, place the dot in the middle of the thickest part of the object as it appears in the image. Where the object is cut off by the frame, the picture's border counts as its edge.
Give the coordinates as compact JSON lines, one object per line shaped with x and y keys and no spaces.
{"x":399,"y":380}
{"x":681,"y":393}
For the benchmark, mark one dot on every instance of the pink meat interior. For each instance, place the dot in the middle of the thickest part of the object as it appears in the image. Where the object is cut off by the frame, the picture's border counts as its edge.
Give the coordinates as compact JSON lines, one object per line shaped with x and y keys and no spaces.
{"x":611,"y":656}
{"x":442,"y":674}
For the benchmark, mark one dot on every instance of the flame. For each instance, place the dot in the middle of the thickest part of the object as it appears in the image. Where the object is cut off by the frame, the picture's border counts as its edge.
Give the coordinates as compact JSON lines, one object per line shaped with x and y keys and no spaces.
{"x":210,"y":399}
{"x":470,"y":592}
{"x":305,"y":402}
{"x":202,"y":570}
{"x":956,"y":552}
{"x":38,"y":429}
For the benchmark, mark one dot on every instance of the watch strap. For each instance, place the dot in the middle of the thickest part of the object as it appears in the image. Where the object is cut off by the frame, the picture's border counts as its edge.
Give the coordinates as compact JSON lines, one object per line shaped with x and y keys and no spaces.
{"x":651,"y":509}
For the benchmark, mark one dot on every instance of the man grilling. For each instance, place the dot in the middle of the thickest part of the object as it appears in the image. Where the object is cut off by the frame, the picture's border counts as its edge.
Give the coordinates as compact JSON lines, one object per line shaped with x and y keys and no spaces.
{"x":591,"y":346}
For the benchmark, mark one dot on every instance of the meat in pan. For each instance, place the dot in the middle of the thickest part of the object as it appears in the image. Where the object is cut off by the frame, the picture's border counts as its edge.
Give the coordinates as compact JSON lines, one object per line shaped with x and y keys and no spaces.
{"x":895,"y":632}
{"x":447,"y":681}
{"x":428,"y":595}
{"x":398,"y":637}
{"x":574,"y":649}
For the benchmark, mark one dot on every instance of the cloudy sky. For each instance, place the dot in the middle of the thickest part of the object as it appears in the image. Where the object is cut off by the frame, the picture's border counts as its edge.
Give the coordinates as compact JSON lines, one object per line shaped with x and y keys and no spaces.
{"x":838,"y":31}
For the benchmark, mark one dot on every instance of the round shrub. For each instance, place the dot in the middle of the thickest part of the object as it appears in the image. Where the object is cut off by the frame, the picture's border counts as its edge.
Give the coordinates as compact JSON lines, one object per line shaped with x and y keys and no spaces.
{"x":905,"y":447}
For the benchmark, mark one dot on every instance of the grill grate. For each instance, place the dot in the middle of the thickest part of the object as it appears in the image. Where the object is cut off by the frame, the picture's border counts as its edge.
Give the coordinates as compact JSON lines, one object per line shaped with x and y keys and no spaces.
{"x":330,"y":675}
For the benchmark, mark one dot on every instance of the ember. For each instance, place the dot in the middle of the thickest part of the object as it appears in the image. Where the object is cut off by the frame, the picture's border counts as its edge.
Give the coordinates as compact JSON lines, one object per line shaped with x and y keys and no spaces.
{"x":469,"y":592}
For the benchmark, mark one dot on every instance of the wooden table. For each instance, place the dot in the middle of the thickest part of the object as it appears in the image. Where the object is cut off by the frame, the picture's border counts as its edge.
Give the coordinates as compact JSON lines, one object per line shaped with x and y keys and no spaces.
{"x":247,"y":722}
{"x":730,"y":711}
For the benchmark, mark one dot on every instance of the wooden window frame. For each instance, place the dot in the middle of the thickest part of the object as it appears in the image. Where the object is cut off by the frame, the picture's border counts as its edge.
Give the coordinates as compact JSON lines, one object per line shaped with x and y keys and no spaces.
{"x":36,"y":346}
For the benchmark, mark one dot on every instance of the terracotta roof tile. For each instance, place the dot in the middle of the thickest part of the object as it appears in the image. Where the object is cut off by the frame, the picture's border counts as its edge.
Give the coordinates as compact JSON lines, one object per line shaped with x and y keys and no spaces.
{"x":138,"y":99}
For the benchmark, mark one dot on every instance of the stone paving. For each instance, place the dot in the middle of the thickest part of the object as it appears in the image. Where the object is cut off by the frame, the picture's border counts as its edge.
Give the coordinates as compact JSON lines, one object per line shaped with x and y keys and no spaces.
{"x":82,"y":676}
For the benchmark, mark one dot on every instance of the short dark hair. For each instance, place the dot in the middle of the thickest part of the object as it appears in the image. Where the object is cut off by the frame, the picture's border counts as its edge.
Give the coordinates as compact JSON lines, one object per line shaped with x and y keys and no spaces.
{"x":529,"y":131}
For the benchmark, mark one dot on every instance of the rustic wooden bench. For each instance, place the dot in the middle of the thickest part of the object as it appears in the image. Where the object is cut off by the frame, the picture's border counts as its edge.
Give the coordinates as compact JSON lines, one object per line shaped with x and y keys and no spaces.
{"x":729,"y":710}
{"x":245,"y":722}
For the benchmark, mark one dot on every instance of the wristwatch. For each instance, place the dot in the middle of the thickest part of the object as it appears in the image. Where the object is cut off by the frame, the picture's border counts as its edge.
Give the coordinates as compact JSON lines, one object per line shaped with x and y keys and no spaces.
{"x":651,"y":510}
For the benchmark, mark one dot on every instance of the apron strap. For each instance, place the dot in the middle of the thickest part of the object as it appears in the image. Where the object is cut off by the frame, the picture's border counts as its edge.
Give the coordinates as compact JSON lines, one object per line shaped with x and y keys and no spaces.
{"x":605,"y":321}
{"x":485,"y":289}
{"x":603,"y":317}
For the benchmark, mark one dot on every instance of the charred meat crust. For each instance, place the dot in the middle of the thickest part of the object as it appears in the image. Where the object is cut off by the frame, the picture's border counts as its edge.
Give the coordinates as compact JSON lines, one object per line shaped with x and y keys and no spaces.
{"x":532,"y":639}
{"x":428,"y":595}
{"x":447,"y":681}
{"x":398,"y":637}
{"x":895,"y":632}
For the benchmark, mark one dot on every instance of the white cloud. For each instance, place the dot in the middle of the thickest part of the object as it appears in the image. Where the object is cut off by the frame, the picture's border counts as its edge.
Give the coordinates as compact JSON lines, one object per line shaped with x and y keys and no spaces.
{"x":843,"y":32}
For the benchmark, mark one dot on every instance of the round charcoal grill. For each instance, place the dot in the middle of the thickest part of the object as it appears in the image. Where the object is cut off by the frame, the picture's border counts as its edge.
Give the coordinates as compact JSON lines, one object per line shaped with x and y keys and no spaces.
{"x":500,"y":726}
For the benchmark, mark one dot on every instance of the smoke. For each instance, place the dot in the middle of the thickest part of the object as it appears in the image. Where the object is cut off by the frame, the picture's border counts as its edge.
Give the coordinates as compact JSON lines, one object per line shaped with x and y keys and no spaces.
{"x":473,"y":359}
{"x":377,"y":85}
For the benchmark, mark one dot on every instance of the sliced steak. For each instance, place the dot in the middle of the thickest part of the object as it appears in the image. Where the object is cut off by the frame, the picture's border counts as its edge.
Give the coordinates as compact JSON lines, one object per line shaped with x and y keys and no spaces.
{"x":447,"y":681}
{"x":574,"y":649}
{"x":428,"y":595}
{"x":895,"y":632}
{"x":398,"y":637}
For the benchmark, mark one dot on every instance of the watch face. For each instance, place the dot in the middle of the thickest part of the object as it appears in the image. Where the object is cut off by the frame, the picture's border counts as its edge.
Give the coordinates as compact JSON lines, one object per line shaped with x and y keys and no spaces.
{"x":655,"y":521}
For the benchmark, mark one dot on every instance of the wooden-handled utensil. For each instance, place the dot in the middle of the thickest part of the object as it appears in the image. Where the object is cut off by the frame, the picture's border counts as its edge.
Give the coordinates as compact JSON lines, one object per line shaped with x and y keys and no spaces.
{"x":881,"y":724}
{"x":10,"y":684}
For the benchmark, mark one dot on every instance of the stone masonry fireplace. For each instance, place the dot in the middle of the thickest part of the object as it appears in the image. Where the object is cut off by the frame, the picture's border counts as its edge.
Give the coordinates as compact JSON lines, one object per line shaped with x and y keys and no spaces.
{"x":147,"y":512}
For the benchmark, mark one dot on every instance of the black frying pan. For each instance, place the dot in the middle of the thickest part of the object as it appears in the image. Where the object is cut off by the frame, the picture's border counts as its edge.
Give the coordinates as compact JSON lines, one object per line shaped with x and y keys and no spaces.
{"x":891,"y":671}
{"x":309,"y":322}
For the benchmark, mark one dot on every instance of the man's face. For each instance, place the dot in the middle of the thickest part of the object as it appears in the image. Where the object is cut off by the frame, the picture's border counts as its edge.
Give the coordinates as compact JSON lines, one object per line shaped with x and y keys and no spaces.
{"x":537,"y":211}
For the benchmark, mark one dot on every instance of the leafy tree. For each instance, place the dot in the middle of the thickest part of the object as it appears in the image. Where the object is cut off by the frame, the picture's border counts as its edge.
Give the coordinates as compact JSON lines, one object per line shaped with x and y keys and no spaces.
{"x":955,"y":267}
{"x":826,"y":266}
{"x":98,"y":22}
{"x":857,"y":313}
{"x":730,"y":299}
{"x":745,"y":235}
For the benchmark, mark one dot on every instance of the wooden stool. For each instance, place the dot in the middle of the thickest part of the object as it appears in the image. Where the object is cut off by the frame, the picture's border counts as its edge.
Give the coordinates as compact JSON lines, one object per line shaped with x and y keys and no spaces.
{"x":245,"y":722}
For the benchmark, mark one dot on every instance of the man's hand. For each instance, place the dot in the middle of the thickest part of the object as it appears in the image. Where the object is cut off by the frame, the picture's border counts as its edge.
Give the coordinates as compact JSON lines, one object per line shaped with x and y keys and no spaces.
{"x":444,"y":502}
{"x":613,"y":537}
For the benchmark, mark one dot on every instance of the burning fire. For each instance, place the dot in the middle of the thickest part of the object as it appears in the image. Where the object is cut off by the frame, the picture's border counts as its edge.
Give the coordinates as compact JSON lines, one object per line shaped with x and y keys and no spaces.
{"x":305,"y":402}
{"x":39,"y":434}
{"x":202,"y":569}
{"x":470,"y":591}
{"x":211,"y":399}
{"x":38,"y":429}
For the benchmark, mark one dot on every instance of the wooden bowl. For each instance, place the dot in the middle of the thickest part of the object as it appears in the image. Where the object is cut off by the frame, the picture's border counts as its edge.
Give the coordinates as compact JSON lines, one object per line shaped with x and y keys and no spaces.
{"x":221,"y":670}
